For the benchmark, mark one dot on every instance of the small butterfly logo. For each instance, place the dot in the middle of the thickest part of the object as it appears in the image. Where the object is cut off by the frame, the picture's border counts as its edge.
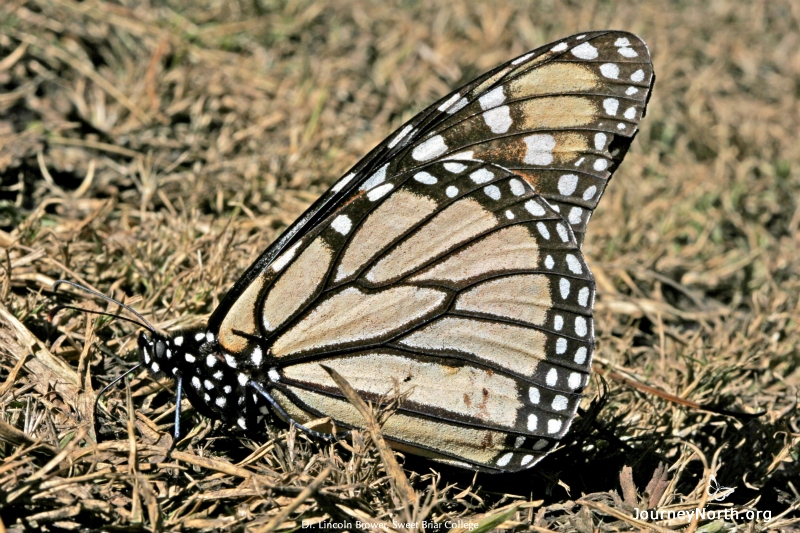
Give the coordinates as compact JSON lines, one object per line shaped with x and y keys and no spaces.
{"x":717,"y":492}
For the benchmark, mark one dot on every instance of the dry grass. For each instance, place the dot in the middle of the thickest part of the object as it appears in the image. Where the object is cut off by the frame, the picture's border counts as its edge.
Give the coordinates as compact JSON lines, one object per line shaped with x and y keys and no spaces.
{"x":152,"y":152}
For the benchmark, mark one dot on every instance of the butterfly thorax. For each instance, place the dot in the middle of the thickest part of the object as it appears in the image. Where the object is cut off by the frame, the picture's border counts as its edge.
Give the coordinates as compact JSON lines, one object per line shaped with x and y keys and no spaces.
{"x":193,"y":356}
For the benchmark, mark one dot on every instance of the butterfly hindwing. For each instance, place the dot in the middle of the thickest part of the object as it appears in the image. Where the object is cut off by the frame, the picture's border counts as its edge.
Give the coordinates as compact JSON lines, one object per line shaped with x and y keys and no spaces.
{"x":459,"y":276}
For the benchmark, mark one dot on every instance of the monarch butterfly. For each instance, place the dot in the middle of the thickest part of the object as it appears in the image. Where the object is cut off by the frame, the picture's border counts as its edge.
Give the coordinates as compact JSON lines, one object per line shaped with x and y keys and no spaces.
{"x":448,"y":259}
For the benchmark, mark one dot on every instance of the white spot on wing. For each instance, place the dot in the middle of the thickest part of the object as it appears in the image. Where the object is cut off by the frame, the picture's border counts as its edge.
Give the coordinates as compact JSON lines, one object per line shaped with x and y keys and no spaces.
{"x":408,"y":129}
{"x":543,"y":230}
{"x":189,"y":358}
{"x":574,"y":380}
{"x":553,"y":425}
{"x":342,"y":182}
{"x":424,"y":177}
{"x":630,"y":113}
{"x":583,"y":296}
{"x":230,"y":360}
{"x":567,"y":184}
{"x":533,"y":422}
{"x":552,"y":378}
{"x":588,"y":194}
{"x":562,"y":232}
{"x":461,"y":104}
{"x":493,"y":98}
{"x":505,"y":459}
{"x":521,"y":59}
{"x":533,"y":394}
{"x":196,"y":382}
{"x":622,"y":41}
{"x":580,"y":355}
{"x":481,"y":176}
{"x":563,"y":286}
{"x":574,"y":265}
{"x":517,"y":188}
{"x":548,"y":262}
{"x":611,"y":105}
{"x":498,"y":119}
{"x":242,"y":379}
{"x":199,"y":336}
{"x":627,"y":52}
{"x":561,"y":345}
{"x":575,"y":215}
{"x":560,"y":47}
{"x":580,"y":326}
{"x":631,"y":91}
{"x":558,"y":322}
{"x":221,"y":401}
{"x":492,"y":191}
{"x":610,"y":70}
{"x":534,"y":208}
{"x":638,"y":75}
{"x":559,"y":403}
{"x":379,"y":192}
{"x":585,"y":51}
{"x":450,"y":101}
{"x":378,"y":177}
{"x":274,"y":375}
{"x":455,"y":168}
{"x":600,"y":164}
{"x":211,"y":361}
{"x":431,"y":148}
{"x":527,"y":459}
{"x":342,"y":224}
{"x":155,"y":367}
{"x":600,"y":141}
{"x":451,"y":191}
{"x":540,"y":149}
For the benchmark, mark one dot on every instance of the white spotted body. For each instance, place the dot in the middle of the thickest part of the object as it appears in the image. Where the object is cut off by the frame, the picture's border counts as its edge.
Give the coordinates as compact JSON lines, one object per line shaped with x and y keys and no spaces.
{"x":213,"y":387}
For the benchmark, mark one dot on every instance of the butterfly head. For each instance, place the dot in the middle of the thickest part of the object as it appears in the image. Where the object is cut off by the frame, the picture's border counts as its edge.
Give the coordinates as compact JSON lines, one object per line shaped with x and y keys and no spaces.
{"x":171,"y":353}
{"x":153,"y":349}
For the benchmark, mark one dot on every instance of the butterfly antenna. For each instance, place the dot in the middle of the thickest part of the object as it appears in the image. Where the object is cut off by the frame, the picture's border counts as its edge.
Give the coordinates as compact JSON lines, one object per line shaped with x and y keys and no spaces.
{"x":52,"y":313}
{"x":144,"y":323}
{"x":114,"y":382}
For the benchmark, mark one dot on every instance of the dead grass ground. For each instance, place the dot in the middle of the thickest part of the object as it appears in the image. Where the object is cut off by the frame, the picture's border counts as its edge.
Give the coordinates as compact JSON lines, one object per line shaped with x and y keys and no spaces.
{"x":151,"y":151}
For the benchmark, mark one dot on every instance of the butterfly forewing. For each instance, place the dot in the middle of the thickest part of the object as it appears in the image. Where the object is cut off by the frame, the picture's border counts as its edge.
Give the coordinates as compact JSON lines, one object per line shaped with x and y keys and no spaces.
{"x":448,"y":262}
{"x":611,"y":72}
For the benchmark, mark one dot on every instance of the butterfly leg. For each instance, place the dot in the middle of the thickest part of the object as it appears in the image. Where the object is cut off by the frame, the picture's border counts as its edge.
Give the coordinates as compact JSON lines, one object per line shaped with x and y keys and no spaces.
{"x":283,"y":414}
{"x":178,"y":397}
